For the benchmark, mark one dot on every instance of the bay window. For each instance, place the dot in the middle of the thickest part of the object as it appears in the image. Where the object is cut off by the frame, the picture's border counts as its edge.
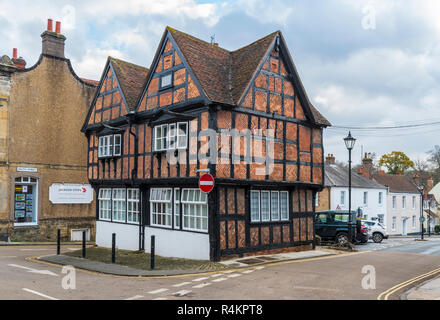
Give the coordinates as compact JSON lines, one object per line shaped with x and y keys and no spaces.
{"x":109,"y":146}
{"x":171,"y":136}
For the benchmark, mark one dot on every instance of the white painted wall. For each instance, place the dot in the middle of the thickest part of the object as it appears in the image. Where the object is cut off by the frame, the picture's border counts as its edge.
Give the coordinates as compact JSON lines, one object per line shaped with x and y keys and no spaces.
{"x":127,"y":235}
{"x":371,"y":209}
{"x":403,"y":213}
{"x":178,"y":244}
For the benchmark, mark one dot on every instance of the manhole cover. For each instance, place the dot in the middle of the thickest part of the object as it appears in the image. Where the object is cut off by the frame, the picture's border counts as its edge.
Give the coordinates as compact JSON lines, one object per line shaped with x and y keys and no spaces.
{"x":250,"y":261}
{"x":267,"y":258}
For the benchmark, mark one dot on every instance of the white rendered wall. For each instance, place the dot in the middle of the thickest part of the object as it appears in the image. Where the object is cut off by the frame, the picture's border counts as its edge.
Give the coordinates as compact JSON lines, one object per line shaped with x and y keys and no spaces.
{"x":403,"y":213}
{"x":127,"y":235}
{"x":178,"y":244}
{"x":372,"y":209}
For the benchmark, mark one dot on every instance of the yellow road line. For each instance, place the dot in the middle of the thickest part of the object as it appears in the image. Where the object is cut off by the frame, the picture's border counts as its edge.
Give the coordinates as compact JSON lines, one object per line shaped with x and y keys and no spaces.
{"x":35,"y":259}
{"x":386,"y":294}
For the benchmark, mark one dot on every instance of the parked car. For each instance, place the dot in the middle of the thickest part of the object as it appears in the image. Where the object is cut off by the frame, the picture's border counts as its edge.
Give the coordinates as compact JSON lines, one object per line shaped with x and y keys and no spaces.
{"x":376,"y":230}
{"x":332,"y":225}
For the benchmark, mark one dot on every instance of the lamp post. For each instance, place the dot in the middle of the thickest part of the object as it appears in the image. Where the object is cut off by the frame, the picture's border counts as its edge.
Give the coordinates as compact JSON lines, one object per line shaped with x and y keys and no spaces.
{"x":420,"y":188}
{"x":349,"y":143}
{"x":428,"y":223}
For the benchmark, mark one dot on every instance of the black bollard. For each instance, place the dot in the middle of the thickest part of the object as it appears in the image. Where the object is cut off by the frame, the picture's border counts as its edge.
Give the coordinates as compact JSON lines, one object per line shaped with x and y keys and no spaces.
{"x":84,"y":245}
{"x":58,"y":242}
{"x":152,"y":252}
{"x":113,"y":247}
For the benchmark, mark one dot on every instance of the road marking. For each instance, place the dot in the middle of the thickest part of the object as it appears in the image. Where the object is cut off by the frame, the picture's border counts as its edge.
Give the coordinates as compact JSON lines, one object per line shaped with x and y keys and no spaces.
{"x":47,"y":272}
{"x":259,"y":268}
{"x":181,"y":284}
{"x":158,"y":291}
{"x":229,"y":271}
{"x":248,"y":271}
{"x":386,"y":294}
{"x":161,"y":298}
{"x":217,"y":275}
{"x":234,"y":275}
{"x":35,"y":249}
{"x":134,"y":298}
{"x":181,"y":293}
{"x":202,"y":285}
{"x":200,"y":279}
{"x":40,"y":294}
{"x":429,"y":251}
{"x":219,"y":279}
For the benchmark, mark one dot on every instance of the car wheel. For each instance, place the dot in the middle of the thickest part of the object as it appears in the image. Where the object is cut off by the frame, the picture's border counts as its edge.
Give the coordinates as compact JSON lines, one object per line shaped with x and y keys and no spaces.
{"x":377,"y":237}
{"x":341,"y":238}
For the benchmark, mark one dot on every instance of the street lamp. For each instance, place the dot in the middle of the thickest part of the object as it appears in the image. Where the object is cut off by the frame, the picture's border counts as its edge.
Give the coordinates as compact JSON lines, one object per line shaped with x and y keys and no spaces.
{"x":420,"y":188}
{"x":349,"y":143}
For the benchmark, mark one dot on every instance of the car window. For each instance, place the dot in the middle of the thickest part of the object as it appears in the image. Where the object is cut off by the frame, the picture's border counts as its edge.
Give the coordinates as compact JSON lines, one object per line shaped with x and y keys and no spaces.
{"x":322,"y":218}
{"x":370,"y":223}
{"x":341,"y":217}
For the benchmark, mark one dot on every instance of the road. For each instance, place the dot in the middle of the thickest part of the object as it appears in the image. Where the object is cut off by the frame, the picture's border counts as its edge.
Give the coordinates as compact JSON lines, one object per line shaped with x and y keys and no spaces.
{"x":334,"y":277}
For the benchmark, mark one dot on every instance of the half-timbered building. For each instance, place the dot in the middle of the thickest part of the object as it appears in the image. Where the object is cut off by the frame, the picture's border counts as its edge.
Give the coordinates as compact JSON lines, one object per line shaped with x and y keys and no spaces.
{"x":243,"y":116}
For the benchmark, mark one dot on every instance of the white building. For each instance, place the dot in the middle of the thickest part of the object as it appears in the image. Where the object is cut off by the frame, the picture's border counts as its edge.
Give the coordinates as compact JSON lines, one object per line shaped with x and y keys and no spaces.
{"x":403,"y":204}
{"x":366,"y":194}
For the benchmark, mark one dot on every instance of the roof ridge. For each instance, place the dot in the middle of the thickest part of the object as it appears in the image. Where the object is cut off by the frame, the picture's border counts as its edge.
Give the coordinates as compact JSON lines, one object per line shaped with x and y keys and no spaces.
{"x":127,"y":62}
{"x":256,"y":41}
{"x":196,"y":39}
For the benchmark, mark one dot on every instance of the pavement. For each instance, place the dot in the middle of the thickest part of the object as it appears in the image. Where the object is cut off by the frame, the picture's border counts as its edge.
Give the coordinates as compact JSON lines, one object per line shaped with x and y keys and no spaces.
{"x":428,"y":290}
{"x":120,"y":270}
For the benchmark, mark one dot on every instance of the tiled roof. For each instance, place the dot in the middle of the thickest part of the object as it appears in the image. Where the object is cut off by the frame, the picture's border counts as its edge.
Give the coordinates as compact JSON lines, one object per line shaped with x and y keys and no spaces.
{"x":396,"y":183}
{"x":224,"y":75}
{"x":131,"y":78}
{"x":336,"y":176}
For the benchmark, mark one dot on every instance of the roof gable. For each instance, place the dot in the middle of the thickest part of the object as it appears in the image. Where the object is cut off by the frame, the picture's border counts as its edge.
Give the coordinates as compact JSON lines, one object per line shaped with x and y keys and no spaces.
{"x":169,"y":59}
{"x":117,"y":91}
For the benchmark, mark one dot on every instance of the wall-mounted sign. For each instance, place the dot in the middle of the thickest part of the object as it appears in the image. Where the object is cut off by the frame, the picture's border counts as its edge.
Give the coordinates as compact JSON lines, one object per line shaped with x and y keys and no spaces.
{"x":63,"y":193}
{"x":26,"y":169}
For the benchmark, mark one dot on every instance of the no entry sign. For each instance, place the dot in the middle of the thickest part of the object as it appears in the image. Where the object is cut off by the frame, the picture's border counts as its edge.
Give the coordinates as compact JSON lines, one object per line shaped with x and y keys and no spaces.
{"x":206,"y":183}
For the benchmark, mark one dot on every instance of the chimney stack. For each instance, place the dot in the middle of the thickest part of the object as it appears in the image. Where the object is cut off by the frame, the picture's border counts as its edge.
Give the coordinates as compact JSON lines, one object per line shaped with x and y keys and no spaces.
{"x":367,"y":166}
{"x":330,"y":159}
{"x":53,"y":42}
{"x":429,"y":184}
{"x":20,"y":63}
{"x":49,"y":24}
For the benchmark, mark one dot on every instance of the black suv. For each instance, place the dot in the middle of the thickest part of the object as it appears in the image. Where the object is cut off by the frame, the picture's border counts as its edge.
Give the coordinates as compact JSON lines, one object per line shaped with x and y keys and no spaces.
{"x":333,"y":226}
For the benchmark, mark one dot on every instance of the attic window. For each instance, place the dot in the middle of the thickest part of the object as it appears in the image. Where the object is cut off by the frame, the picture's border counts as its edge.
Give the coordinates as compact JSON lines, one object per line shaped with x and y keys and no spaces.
{"x":166,"y":81}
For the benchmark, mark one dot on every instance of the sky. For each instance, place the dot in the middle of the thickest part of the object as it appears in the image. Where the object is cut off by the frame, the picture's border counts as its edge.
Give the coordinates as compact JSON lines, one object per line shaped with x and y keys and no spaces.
{"x":363,"y":63}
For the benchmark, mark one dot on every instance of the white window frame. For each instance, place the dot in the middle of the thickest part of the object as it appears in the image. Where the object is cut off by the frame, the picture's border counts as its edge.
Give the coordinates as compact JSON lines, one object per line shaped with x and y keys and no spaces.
{"x":403,"y":202}
{"x":173,"y":138}
{"x":413,"y":202}
{"x":105,"y":214}
{"x":167,"y":204}
{"x":119,"y":204}
{"x":162,"y":87}
{"x":365,"y":199}
{"x":380,"y":200}
{"x":283,"y":215}
{"x":342,"y":199}
{"x":317,"y":199}
{"x":394,"y":202}
{"x":413,"y":222}
{"x":199,"y":205}
{"x":177,"y":206}
{"x":28,"y":181}
{"x":107,"y":145}
{"x":393,"y":223}
{"x":133,"y":205}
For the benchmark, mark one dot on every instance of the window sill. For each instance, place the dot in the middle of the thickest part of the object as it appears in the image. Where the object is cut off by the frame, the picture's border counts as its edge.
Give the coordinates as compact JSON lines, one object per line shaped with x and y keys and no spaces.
{"x":26,"y":224}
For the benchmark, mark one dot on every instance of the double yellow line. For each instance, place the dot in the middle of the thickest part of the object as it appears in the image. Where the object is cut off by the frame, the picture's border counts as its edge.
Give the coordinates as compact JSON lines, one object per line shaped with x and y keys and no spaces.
{"x":386,"y":294}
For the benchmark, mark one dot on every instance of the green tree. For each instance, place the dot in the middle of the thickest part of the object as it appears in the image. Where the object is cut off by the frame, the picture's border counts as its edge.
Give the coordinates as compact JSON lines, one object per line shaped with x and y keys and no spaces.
{"x":396,"y":162}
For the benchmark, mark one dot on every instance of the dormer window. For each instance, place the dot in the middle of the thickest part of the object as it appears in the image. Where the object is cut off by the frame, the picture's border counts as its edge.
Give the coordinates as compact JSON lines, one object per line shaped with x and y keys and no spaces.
{"x":171,"y":136}
{"x":109,"y":146}
{"x":166,"y":81}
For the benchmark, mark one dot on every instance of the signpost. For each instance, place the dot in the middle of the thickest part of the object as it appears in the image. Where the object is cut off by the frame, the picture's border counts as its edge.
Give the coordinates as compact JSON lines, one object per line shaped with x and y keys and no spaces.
{"x":206,"y":183}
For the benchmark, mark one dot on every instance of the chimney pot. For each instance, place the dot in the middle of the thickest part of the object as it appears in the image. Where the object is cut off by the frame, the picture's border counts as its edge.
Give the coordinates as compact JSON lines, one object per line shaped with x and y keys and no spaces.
{"x":14,"y":53}
{"x":58,"y":27}
{"x":49,"y":24}
{"x":330,"y":159}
